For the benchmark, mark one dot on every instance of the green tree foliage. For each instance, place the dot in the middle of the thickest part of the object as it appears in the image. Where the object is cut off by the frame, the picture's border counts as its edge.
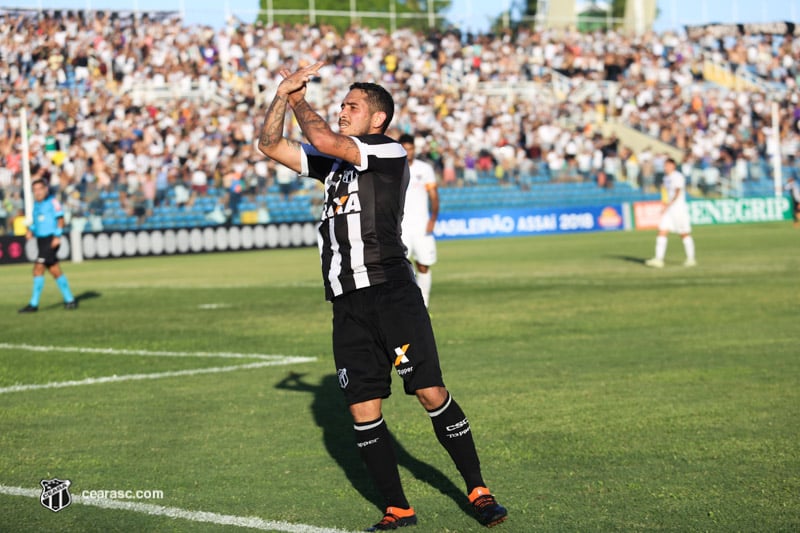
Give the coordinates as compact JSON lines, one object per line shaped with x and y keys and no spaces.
{"x":520,"y":14}
{"x":408,"y":13}
{"x":618,"y":9}
{"x":529,"y":8}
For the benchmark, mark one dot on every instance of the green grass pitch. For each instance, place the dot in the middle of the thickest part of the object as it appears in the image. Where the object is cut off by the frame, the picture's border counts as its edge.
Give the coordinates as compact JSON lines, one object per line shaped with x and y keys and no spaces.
{"x":604,"y":396}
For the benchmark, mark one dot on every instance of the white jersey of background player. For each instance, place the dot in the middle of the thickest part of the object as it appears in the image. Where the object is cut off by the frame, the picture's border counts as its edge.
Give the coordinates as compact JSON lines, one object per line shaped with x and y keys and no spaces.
{"x":675,"y":218}
{"x":419,"y":217}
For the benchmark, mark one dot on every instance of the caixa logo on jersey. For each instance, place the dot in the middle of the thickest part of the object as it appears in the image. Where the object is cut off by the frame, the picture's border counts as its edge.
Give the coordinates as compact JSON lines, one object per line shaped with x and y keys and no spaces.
{"x":55,"y":494}
{"x":342,"y":205}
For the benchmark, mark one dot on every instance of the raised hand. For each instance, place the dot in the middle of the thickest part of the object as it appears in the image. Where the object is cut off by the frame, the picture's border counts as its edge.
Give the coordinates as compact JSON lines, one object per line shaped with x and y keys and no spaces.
{"x":294,"y":83}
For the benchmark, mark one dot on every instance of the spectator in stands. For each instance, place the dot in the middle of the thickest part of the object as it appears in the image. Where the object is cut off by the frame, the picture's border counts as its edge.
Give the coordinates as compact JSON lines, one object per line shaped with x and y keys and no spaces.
{"x":646,"y":169}
{"x":486,"y":164}
{"x":138,"y":205}
{"x":449,"y":172}
{"x":19,"y":223}
{"x":236,"y":189}
{"x":200,"y":180}
{"x":161,"y":185}
{"x":470,"y":168}
{"x":183,"y":194}
{"x":6,"y":208}
{"x":286,"y":179}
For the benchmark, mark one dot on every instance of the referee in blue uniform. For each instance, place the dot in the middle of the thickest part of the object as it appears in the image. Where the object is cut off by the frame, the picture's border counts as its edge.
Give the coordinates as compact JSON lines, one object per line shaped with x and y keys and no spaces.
{"x":380,"y":324}
{"x":47,"y":227}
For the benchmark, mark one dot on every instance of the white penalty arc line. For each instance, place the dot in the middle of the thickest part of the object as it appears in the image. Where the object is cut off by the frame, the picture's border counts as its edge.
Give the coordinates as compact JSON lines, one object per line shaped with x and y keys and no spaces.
{"x":177,"y":513}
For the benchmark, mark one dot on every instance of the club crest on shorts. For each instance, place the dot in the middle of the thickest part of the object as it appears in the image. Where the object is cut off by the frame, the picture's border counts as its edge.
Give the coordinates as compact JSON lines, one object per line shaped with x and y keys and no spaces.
{"x":343,"y":379}
{"x":55,"y":494}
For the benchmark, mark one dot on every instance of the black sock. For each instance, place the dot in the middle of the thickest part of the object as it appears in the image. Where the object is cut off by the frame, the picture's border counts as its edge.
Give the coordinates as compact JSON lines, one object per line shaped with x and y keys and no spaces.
{"x":375,"y":447}
{"x":452,"y":429}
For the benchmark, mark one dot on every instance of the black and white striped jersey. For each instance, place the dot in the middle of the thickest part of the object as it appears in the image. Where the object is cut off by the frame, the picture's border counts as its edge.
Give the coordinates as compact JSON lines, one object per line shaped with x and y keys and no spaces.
{"x":359,"y":230}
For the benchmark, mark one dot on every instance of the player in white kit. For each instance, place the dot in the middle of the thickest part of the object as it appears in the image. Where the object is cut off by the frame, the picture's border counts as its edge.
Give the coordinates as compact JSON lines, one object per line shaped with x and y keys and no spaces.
{"x":675,"y":218}
{"x":419,"y":217}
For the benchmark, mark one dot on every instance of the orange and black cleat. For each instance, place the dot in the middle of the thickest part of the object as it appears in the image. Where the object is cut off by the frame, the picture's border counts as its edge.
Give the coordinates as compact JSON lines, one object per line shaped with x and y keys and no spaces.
{"x":489,"y":512}
{"x":395,"y":517}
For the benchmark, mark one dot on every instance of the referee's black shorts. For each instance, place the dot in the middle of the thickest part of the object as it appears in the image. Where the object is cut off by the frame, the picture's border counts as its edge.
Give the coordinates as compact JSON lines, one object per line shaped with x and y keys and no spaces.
{"x":379,"y":328}
{"x":47,"y":254}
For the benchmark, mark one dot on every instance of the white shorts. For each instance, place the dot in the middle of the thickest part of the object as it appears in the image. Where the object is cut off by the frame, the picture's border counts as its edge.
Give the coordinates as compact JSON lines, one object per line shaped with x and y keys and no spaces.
{"x":420,"y":247}
{"x":676,"y":221}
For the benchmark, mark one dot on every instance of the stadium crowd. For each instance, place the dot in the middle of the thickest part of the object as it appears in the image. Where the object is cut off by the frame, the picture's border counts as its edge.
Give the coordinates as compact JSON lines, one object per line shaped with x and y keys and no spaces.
{"x":150,"y":112}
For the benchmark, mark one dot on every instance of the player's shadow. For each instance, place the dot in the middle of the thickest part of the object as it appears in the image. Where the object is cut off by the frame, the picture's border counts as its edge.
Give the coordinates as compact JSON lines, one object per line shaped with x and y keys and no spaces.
{"x":80,"y":298}
{"x":87,"y":295}
{"x":332,"y":416}
{"x":629,"y":258}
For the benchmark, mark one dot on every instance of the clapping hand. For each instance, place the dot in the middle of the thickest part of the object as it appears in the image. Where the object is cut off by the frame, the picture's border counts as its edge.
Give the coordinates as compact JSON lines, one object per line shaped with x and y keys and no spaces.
{"x":294,"y":83}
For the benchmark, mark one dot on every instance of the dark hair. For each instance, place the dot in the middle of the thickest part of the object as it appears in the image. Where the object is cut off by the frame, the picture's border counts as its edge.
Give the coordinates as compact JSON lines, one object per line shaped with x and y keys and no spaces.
{"x":378,"y":99}
{"x":40,"y":181}
{"x":670,"y":160}
{"x":406,"y":139}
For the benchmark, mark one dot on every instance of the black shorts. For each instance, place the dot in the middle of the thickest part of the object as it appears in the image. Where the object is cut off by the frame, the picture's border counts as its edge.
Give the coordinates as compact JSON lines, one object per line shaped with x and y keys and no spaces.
{"x":379,"y":328}
{"x":47,"y":254}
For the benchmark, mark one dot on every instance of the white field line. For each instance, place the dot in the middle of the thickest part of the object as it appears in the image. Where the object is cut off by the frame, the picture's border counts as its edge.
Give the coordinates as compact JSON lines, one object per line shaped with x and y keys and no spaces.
{"x":177,"y":513}
{"x":116,"y":351}
{"x":266,"y":360}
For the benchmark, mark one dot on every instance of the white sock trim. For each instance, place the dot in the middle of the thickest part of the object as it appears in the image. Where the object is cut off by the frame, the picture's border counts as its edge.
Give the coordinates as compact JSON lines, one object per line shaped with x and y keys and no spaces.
{"x":442,"y":409}
{"x":367,"y":427}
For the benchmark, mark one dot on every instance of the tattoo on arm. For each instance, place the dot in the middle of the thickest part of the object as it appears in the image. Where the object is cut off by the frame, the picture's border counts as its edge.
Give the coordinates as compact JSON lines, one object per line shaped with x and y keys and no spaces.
{"x":293,"y":144}
{"x":310,"y":121}
{"x":272,"y":131}
{"x":319,"y":132}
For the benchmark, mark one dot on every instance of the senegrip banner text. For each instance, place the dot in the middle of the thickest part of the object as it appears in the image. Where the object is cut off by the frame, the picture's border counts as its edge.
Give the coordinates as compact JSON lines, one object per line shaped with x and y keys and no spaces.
{"x":740,"y":210}
{"x":719,"y":211}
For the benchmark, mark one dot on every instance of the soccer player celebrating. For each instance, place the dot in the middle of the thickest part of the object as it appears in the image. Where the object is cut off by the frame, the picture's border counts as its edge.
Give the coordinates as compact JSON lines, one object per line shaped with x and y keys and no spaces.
{"x":379,"y":318}
{"x":47,"y":227}
{"x":419,"y":217}
{"x":675,"y":217}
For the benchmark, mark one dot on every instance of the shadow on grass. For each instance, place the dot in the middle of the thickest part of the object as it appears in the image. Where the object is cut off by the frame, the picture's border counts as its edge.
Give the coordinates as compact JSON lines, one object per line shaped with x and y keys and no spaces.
{"x":629,"y":258}
{"x":332,"y":416}
{"x":80,"y":298}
